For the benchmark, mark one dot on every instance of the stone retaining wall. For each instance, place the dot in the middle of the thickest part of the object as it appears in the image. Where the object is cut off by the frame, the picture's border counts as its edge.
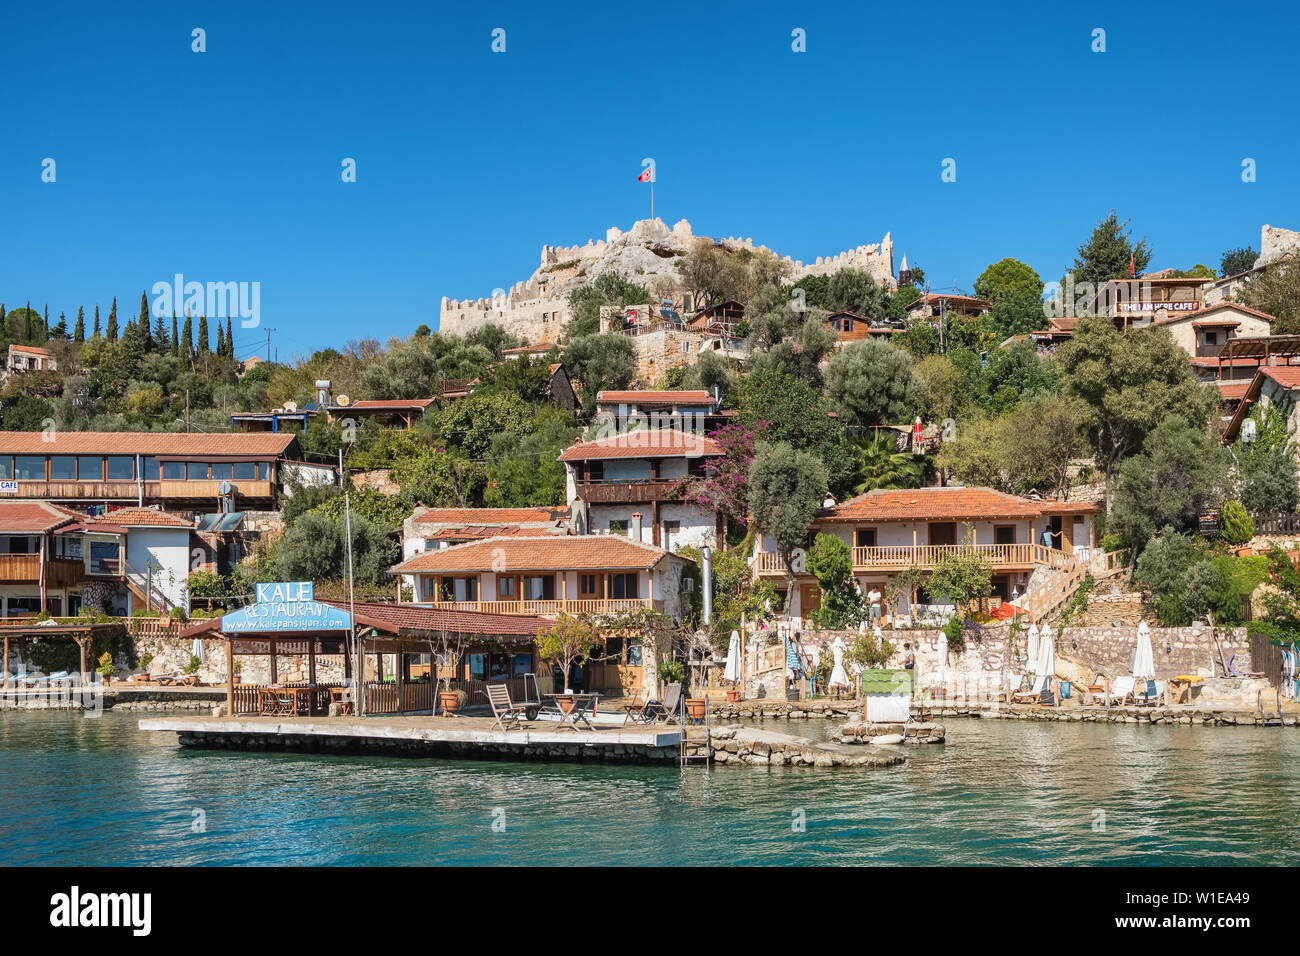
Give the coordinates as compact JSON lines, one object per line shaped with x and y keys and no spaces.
{"x":1124,"y":715}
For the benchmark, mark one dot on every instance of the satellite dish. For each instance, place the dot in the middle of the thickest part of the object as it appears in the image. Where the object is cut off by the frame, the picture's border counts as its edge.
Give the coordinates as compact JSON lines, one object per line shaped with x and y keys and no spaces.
{"x":344,"y":400}
{"x":225,"y":488}
{"x":290,"y":406}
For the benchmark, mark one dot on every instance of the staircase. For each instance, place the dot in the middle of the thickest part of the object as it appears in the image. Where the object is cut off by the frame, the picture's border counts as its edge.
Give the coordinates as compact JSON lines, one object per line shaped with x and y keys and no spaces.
{"x":698,"y":735}
{"x":146,"y":589}
{"x":1052,"y":588}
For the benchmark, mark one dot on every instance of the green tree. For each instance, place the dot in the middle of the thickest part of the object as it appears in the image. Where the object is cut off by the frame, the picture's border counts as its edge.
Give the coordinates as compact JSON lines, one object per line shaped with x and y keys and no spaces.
{"x":608,"y":289}
{"x":786,"y":490}
{"x":176,"y":338}
{"x":1269,"y":481}
{"x":95,"y":334}
{"x":1107,"y":252}
{"x":710,"y":373}
{"x":111,"y":331}
{"x":146,"y":335}
{"x":1181,"y":472}
{"x":831,"y":563}
{"x":1045,"y":434}
{"x":79,"y":330}
{"x":204,"y":345}
{"x":961,"y":577}
{"x":1016,"y":313}
{"x":187,"y":338}
{"x":1276,"y":291}
{"x":600,"y":362}
{"x":1235,"y":525}
{"x":879,"y":464}
{"x":870,"y":382}
{"x":230,"y":340}
{"x":1130,"y":382}
{"x":1009,"y":277}
{"x":855,"y":290}
{"x":1236,"y":261}
{"x":790,"y":411}
{"x":1162,"y":569}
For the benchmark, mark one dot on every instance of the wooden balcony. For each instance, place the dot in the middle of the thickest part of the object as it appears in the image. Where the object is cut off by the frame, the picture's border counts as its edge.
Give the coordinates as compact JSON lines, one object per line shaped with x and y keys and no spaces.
{"x":552,"y":608}
{"x":629,"y":492}
{"x":902,"y":557}
{"x":129,"y":491}
{"x":26,"y":569}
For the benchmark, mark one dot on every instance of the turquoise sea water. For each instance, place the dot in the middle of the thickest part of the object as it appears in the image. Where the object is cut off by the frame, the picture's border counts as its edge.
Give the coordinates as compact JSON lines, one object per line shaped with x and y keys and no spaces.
{"x":98,"y":791}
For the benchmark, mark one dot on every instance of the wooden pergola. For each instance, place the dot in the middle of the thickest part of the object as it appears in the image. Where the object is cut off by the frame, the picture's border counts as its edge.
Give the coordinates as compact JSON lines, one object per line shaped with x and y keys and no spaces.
{"x":82,"y":633}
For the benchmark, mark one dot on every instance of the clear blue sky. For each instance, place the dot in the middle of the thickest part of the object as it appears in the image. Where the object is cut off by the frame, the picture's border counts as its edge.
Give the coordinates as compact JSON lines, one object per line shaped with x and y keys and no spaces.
{"x":225,"y":166}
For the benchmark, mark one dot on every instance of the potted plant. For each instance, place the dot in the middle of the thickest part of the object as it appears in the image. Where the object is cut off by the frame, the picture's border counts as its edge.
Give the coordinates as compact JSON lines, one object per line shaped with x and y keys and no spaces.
{"x":670,"y":672}
{"x":733,"y":695}
{"x":106,"y":668}
{"x":238,"y":668}
{"x":452,"y":700}
{"x":192,"y":669}
{"x":695,"y":707}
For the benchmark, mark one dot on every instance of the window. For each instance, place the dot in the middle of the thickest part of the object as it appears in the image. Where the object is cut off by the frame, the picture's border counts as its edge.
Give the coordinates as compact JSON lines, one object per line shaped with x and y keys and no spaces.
{"x":498,"y":666}
{"x":29,"y":467}
{"x":864,"y":538}
{"x":263,"y":470}
{"x":173,"y":470}
{"x":222,"y":471}
{"x":623,"y":585}
{"x":63,"y":468}
{"x":245,"y":470}
{"x":588,"y":586}
{"x":522,"y":664}
{"x":618,"y":527}
{"x":104,"y":557}
{"x":634,"y":652}
{"x":6,"y":467}
{"x":149,"y":468}
{"x":90,"y":468}
{"x":671,"y":530}
{"x":196,"y":470}
{"x":427,"y":585}
{"x":465,"y":589}
{"x":506,"y":589}
{"x":539,"y":588}
{"x":1004,"y":534}
{"x":122,"y":468}
{"x":477,"y":666}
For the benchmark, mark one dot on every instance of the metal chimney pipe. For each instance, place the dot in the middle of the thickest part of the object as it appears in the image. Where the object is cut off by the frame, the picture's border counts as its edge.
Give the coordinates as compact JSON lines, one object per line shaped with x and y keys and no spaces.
{"x":707,"y":558}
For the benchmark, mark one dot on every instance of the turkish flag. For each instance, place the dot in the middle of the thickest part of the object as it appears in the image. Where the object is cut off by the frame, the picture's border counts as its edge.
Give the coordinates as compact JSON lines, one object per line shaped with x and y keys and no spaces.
{"x":647,"y":175}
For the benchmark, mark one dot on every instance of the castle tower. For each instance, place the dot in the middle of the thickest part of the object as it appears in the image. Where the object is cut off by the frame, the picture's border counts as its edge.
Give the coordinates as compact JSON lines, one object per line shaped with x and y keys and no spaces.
{"x":904,"y":273}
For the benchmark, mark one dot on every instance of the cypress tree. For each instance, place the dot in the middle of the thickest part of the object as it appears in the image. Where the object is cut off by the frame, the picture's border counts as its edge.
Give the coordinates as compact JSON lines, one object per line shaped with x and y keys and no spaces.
{"x":230,"y":340}
{"x":176,"y":339}
{"x":79,"y":331}
{"x":111,"y":331}
{"x":160,"y":339}
{"x":187,"y":338}
{"x":95,"y":334}
{"x":205,"y":349}
{"x":45,"y":325}
{"x":221,"y":341}
{"x":146,"y":336}
{"x":27,"y":323}
{"x":60,"y":331}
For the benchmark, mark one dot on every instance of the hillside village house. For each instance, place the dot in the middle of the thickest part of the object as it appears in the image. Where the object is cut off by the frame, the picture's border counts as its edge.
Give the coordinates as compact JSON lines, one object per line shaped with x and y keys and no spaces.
{"x":29,"y":358}
{"x":183,"y":472}
{"x":891,"y":531}
{"x":632,"y":484}
{"x":852,"y":327}
{"x":428,"y":529}
{"x":690,"y":410}
{"x":931,"y":305}
{"x":1147,"y":298}
{"x":57,"y":561}
{"x":1273,"y":386}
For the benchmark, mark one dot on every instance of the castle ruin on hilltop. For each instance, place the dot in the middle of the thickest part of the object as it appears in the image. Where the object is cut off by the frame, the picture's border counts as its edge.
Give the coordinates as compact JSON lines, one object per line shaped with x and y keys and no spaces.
{"x":537,"y":309}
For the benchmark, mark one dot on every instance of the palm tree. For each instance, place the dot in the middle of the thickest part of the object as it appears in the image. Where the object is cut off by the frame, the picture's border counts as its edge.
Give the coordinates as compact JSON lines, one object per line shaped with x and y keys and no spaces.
{"x":878,"y":464}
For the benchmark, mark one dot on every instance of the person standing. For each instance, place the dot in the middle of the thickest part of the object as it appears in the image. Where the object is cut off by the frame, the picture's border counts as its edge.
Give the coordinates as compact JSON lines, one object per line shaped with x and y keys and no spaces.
{"x":873,"y":600}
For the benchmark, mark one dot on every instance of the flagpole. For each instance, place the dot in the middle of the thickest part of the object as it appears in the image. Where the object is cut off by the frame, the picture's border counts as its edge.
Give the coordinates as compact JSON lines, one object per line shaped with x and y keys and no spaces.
{"x":652,"y":194}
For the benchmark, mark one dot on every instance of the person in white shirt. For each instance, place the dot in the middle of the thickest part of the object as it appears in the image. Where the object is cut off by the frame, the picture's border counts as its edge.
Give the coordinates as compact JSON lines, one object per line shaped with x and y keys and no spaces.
{"x":873,"y":599}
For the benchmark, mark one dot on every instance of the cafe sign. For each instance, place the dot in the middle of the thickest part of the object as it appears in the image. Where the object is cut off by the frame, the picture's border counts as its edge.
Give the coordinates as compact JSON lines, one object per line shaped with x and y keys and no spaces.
{"x":8,"y":487}
{"x":285,"y":607}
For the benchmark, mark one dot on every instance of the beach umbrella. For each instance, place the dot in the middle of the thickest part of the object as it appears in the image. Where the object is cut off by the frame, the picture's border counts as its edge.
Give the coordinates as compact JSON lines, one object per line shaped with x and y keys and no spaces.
{"x":1031,"y":654}
{"x":1144,"y":660}
{"x":197,"y":649}
{"x":732,"y":671}
{"x":839,"y":678}
{"x":1046,"y":656}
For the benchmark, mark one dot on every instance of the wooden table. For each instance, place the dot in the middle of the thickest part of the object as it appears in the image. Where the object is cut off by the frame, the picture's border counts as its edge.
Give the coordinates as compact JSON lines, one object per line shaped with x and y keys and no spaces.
{"x":583,"y":704}
{"x":275,"y":693}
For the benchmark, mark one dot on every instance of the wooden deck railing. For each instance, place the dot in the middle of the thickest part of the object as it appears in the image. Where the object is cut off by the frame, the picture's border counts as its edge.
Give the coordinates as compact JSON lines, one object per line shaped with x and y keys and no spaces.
{"x":901,"y":557}
{"x":551,"y":608}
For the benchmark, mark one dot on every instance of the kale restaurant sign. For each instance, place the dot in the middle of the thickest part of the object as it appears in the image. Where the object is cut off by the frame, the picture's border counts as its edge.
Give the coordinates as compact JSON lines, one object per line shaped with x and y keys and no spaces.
{"x":285,"y":607}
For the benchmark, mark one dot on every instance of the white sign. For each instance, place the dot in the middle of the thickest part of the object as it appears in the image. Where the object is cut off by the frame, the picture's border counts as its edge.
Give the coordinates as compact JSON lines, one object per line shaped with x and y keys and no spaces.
{"x":8,"y":487}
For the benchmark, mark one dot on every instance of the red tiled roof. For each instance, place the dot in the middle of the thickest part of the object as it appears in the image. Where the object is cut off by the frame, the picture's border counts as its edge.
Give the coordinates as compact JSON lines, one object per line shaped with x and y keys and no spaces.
{"x":947,"y":504}
{"x":574,"y":552}
{"x":938,"y":296}
{"x":643,"y":443}
{"x":471,"y":532}
{"x":1288,"y":376}
{"x":1235,"y":306}
{"x":1233,"y":391}
{"x":30,"y":349}
{"x":489,"y":516}
{"x":414,"y":617}
{"x":32,"y":517}
{"x":692,"y":397}
{"x":140,"y":517}
{"x":269,"y":444}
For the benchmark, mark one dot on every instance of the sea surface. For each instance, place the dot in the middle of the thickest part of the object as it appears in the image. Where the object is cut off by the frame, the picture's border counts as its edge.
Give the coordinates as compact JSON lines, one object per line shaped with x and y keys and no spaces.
{"x":91,"y":791}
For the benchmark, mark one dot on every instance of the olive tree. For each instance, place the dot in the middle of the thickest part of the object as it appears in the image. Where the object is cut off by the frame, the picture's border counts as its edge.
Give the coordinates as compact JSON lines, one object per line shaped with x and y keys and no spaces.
{"x":786,"y":490}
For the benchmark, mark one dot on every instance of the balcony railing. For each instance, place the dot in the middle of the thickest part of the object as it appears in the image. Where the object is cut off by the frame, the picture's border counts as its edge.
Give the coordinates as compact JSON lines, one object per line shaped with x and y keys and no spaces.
{"x":26,"y":569}
{"x":901,"y":557}
{"x":552,"y":608}
{"x":629,"y":492}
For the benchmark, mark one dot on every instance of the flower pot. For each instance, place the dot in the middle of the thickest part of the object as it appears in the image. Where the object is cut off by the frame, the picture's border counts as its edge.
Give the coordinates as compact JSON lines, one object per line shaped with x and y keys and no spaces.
{"x":733,"y":695}
{"x":565,"y":703}
{"x":695,"y":708}
{"x":235,"y":679}
{"x":450,"y":702}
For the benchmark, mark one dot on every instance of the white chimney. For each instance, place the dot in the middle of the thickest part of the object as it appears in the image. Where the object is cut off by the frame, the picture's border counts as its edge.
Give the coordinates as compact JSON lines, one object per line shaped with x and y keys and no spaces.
{"x":634,"y":532}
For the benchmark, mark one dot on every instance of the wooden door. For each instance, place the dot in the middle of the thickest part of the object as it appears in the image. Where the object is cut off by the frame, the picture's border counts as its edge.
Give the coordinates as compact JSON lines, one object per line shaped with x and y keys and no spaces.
{"x":810,"y":599}
{"x":943,"y":533}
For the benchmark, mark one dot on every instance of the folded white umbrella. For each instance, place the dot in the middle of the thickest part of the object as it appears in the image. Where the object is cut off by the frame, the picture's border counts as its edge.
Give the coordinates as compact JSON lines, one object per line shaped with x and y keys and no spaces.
{"x":732,"y":671}
{"x":1046,"y":656}
{"x":839,"y":678}
{"x":1031,"y":654}
{"x":1144,"y":659}
{"x":197,"y":650}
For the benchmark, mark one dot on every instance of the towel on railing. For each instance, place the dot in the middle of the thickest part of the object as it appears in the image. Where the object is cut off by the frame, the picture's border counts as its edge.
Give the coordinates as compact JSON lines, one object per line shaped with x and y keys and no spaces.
{"x":792,"y":658}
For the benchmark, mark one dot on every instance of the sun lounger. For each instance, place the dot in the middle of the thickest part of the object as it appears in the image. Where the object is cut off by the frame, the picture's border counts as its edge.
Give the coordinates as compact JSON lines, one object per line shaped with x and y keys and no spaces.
{"x":506,"y":712}
{"x":1035,"y":692}
{"x":664,"y":711}
{"x":1121,"y":690}
{"x":1011,"y":689}
{"x":1150,"y":695}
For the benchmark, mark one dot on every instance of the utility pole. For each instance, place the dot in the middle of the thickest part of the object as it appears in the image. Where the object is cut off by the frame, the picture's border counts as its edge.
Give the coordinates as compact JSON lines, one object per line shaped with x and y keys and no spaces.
{"x":268,"y":343}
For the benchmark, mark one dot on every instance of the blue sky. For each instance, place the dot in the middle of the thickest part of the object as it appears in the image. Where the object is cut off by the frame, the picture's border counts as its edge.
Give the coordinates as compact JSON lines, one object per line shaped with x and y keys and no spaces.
{"x":225,"y":165}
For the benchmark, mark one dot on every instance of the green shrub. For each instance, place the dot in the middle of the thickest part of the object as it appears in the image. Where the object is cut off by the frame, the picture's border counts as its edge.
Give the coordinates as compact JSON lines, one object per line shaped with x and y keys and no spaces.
{"x":106,"y":668}
{"x":671,"y":672}
{"x":1235,"y":524}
